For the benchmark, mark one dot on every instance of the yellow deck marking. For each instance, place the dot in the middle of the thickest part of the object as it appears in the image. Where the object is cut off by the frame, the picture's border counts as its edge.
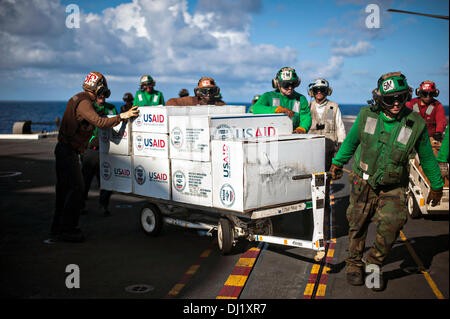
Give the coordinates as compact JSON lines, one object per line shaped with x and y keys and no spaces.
{"x":245,"y":262}
{"x":430,"y":281}
{"x":192,"y":269}
{"x":236,"y":280}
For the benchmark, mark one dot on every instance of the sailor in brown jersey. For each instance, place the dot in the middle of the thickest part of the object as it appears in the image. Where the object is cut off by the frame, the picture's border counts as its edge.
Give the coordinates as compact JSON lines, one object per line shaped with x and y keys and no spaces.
{"x":77,"y":125}
{"x":206,"y":93}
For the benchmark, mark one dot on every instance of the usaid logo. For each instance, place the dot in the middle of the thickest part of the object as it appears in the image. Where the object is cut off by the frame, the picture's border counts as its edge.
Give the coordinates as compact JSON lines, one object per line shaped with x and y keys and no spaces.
{"x":223,"y":132}
{"x":122,"y":172}
{"x":138,"y":121}
{"x":176,"y":137}
{"x":139,"y":142}
{"x":227,"y":195}
{"x":139,"y":175}
{"x":106,"y":170}
{"x":179,"y":181}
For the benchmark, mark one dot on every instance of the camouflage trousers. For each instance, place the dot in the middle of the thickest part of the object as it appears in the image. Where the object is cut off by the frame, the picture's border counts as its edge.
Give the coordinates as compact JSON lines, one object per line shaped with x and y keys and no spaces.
{"x":386,"y":208}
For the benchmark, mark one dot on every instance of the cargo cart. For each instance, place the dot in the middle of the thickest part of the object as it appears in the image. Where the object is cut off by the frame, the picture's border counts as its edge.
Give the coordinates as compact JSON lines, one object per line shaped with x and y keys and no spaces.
{"x":254,"y":225}
{"x":418,"y":189}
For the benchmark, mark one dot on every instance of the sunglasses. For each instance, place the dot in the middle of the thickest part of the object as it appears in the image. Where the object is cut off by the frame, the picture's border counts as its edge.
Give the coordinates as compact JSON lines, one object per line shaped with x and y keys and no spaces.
{"x":287,"y":84}
{"x":391,"y":99}
{"x":427,"y":93}
{"x":208,"y":91}
{"x":323,"y":90}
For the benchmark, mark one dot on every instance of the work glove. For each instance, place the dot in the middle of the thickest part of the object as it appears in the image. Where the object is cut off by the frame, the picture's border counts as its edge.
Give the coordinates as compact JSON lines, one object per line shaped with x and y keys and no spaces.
{"x":284,"y":110}
{"x":444,"y":169}
{"x":336,"y":171}
{"x":299,"y":130}
{"x":434,"y":196}
{"x":438,"y":136}
{"x":133,"y":112}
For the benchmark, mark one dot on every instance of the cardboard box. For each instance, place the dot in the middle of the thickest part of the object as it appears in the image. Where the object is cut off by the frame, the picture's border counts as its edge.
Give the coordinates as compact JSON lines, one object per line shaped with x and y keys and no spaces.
{"x":190,"y":136}
{"x":151,"y":144}
{"x":116,"y":140}
{"x":255,"y":173}
{"x":191,"y":182}
{"x":151,"y":177}
{"x":115,"y":172}
{"x":155,"y":119}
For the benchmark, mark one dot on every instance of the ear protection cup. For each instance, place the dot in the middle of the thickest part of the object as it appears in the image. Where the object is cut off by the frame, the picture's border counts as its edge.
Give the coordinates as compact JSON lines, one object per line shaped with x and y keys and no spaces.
{"x":437,"y":93}
{"x":275,"y":82}
{"x":330,"y":90}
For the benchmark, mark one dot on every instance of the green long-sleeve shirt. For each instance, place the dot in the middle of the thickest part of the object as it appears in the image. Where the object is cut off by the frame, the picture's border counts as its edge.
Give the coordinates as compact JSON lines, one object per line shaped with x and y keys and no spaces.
{"x":443,"y":151}
{"x":423,"y":148}
{"x":143,"y":98}
{"x":269,"y":101}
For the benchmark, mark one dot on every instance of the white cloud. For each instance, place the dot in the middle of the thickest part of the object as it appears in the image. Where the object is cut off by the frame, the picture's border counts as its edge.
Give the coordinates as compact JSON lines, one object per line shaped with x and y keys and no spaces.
{"x":360,"y":48}
{"x":158,"y":37}
{"x":330,"y":70}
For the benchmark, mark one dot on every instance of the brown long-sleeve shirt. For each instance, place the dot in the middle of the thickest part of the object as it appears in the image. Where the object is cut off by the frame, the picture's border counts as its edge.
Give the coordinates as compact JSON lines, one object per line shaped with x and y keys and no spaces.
{"x":191,"y":101}
{"x":79,"y":121}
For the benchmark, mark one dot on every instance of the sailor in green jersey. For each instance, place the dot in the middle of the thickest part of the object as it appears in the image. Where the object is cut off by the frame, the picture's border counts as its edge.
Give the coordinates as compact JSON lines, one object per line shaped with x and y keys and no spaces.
{"x":382,"y":139}
{"x":147,"y":95}
{"x":90,"y":158}
{"x":442,"y":156}
{"x":284,"y":99}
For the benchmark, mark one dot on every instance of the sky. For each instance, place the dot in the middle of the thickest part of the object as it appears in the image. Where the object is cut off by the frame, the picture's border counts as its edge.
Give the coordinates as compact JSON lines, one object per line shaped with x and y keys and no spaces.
{"x":45,"y":55}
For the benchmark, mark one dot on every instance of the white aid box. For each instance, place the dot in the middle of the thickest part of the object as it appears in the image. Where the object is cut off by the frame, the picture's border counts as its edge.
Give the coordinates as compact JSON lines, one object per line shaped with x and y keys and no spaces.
{"x":190,"y":136}
{"x":116,"y":140}
{"x":151,"y":144}
{"x":151,"y":177}
{"x":154,"y":119}
{"x":191,"y":182}
{"x":115,"y":172}
{"x":256,"y":173}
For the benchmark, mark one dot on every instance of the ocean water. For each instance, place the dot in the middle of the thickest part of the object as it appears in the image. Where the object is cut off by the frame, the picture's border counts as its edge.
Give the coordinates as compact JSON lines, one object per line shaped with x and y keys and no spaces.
{"x":42,"y":111}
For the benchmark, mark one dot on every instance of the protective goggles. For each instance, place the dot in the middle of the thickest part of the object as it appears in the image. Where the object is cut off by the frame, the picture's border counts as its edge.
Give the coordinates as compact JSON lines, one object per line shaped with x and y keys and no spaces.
{"x":321,"y":89}
{"x":208,"y":91}
{"x":147,"y":84}
{"x":427,"y":93}
{"x":103,"y":91}
{"x":288,"y":84}
{"x":389,"y":100}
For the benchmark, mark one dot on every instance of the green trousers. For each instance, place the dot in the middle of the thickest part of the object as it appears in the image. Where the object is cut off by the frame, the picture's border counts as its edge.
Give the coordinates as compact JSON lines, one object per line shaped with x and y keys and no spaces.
{"x":386,"y":208}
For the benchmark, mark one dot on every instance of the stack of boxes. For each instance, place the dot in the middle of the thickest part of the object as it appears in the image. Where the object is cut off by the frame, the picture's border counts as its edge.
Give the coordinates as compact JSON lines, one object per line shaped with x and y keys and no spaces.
{"x":209,"y":156}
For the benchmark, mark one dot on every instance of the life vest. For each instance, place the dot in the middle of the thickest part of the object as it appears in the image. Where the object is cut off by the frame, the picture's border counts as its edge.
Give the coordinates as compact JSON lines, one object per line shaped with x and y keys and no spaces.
{"x":430,"y":120}
{"x":328,"y":119}
{"x":381,"y":157}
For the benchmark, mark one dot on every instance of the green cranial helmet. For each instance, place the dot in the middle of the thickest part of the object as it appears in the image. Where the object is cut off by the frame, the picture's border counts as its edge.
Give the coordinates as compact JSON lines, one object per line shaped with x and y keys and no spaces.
{"x":146,"y":79}
{"x":392,"y":83}
{"x":286,"y":76}
{"x":391,"y":88}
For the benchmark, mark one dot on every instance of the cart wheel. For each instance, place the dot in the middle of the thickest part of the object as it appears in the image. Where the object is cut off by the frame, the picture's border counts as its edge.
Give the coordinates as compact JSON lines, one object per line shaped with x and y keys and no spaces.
{"x":225,"y":236}
{"x":413,"y":208}
{"x":319,"y":255}
{"x":151,"y":219}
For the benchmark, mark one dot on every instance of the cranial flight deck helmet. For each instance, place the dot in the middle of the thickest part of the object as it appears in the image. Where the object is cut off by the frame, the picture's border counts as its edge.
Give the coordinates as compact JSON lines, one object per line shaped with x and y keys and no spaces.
{"x":285,"y":77}
{"x":206,"y":86}
{"x":320,"y":83}
{"x":146,"y":80}
{"x":427,"y":88}
{"x":96,"y":83}
{"x":391,"y":87}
